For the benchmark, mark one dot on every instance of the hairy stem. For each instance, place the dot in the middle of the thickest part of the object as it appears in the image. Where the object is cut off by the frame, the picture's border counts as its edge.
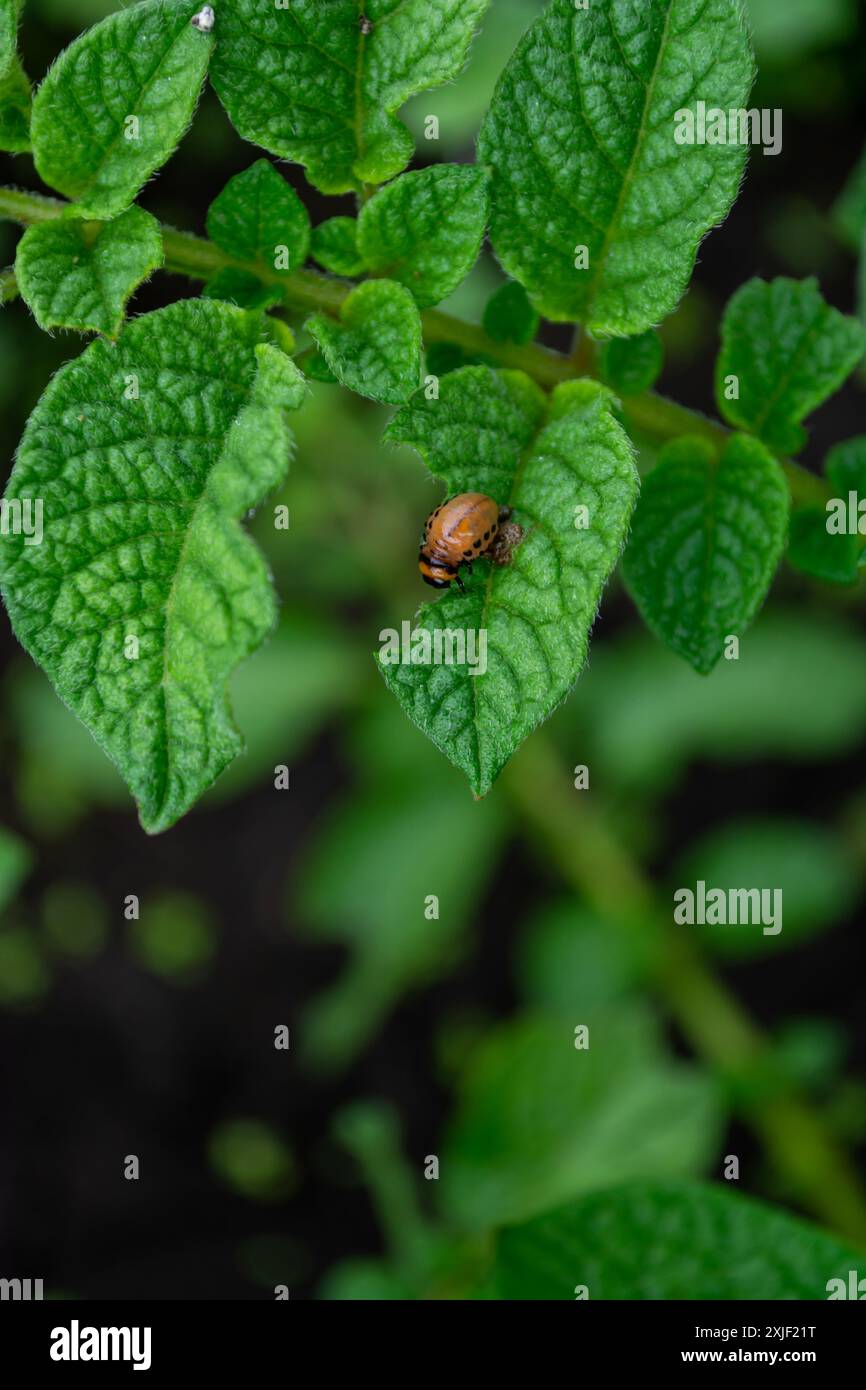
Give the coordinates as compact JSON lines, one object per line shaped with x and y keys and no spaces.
{"x":593,"y":862}
{"x":649,"y":416}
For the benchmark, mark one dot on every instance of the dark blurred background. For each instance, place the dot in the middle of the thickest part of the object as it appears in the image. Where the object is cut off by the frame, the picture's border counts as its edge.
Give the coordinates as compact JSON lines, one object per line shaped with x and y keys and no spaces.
{"x":305,"y":908}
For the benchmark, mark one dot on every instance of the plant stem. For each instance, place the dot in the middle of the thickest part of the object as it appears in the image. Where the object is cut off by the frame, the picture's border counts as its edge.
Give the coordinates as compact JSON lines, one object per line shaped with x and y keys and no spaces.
{"x":648,"y":415}
{"x":594,"y":863}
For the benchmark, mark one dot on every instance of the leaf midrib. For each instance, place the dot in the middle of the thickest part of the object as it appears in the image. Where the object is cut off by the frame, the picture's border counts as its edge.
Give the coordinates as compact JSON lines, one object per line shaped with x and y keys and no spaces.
{"x":193,"y":517}
{"x":113,"y":143}
{"x":625,"y":186}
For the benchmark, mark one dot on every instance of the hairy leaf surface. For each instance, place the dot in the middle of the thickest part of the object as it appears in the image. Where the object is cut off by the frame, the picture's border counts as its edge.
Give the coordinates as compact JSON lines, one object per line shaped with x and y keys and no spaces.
{"x":581,"y":139}
{"x":667,"y":1240}
{"x":789,"y":350}
{"x":76,"y":274}
{"x":425,"y":228}
{"x":706,"y":538}
{"x":335,"y":246}
{"x":15,"y":109}
{"x":319,"y":81}
{"x":256,"y":214}
{"x":374,"y":347}
{"x":145,"y":593}
{"x":10,"y":11}
{"x":115,"y":104}
{"x":493,"y":432}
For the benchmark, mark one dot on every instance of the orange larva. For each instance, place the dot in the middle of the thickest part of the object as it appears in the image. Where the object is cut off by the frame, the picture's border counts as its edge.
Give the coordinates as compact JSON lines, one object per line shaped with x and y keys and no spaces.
{"x":455,"y":534}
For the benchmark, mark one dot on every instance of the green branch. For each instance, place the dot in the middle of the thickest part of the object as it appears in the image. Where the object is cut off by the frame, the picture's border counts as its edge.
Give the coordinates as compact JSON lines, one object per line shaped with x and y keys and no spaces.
{"x":649,"y":416}
{"x":570,"y":830}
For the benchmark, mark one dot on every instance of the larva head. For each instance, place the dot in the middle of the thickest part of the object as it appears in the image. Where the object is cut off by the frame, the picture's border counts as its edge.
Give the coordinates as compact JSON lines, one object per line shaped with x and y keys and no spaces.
{"x":434,"y":572}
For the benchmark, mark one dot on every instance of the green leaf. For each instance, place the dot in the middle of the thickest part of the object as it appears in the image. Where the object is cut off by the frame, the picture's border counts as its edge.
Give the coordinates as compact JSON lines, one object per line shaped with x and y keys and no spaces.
{"x":581,"y":139}
{"x":146,"y":63}
{"x":335,"y":246}
{"x":259,"y":217}
{"x":425,"y":229}
{"x":250,"y":1157}
{"x":706,"y":539}
{"x":540,"y":1121}
{"x":648,"y":716}
{"x":494,"y":432}
{"x":375,"y":346}
{"x":821,"y":554}
{"x":571,"y":961}
{"x":10,"y":11}
{"x":395,"y":943}
{"x":15,"y":107}
{"x":242,"y":288}
{"x":279,"y":716}
{"x":143,"y":455}
{"x":845,"y":466}
{"x":15,"y":862}
{"x":321,"y":84}
{"x":849,"y":210}
{"x":665,"y":1240}
{"x":807,"y":862}
{"x":788,"y":351}
{"x":508,"y":315}
{"x":79,"y":275}
{"x":631,"y":365}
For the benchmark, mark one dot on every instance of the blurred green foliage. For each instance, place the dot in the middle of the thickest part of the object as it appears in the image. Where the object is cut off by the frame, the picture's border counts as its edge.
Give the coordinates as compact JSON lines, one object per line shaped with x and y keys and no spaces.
{"x":174,"y":937}
{"x":523,"y":1119}
{"x":249,"y":1157}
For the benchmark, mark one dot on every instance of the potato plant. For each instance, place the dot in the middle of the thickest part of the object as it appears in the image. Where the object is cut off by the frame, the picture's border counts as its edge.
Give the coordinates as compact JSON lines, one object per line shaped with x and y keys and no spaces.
{"x":615,"y":142}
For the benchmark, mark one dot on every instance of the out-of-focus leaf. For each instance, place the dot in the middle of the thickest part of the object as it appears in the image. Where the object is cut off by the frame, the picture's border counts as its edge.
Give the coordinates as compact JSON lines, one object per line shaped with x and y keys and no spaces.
{"x":814,"y":551}
{"x":173,"y":937}
{"x":664,"y":1241}
{"x":810,"y":1051}
{"x":798,"y":691}
{"x":784,"y":30}
{"x":15,"y":107}
{"x":363,"y":1281}
{"x":284,"y":695}
{"x":74,"y":919}
{"x":630,"y":365}
{"x":24,"y":978}
{"x":849,"y":210}
{"x":508,"y":315}
{"x":367,"y":880}
{"x":805,"y":860}
{"x":539,"y":1121}
{"x":570,"y":961}
{"x":15,"y":861}
{"x":251,"y":1158}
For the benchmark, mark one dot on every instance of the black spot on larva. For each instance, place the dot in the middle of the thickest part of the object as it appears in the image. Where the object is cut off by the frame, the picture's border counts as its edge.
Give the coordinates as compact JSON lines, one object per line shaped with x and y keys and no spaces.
{"x":467,"y":555}
{"x":487,"y":535}
{"x":477,"y":545}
